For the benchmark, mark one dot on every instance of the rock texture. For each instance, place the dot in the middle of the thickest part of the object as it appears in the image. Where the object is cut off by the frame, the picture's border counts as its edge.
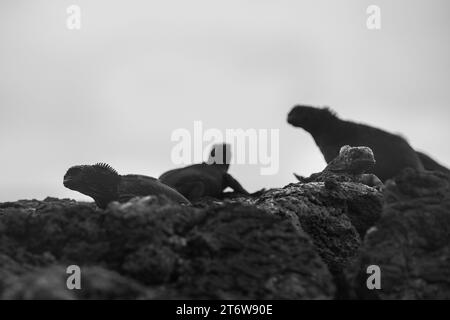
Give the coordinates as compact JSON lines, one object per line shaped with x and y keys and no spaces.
{"x":304,"y":241}
{"x":411,"y":242}
{"x":168,"y":251}
{"x":334,"y":218}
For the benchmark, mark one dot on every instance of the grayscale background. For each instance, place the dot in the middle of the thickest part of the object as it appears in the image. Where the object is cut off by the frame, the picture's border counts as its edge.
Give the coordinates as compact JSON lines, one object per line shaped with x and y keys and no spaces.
{"x":116,"y":89}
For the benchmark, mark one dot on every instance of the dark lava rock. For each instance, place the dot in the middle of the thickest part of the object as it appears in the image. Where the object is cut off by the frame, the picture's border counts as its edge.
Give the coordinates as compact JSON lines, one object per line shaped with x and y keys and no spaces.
{"x":236,"y":252}
{"x":152,"y":248}
{"x":328,"y":216}
{"x":332,"y":218}
{"x":334,"y":215}
{"x":50,"y":283}
{"x":411,"y":242}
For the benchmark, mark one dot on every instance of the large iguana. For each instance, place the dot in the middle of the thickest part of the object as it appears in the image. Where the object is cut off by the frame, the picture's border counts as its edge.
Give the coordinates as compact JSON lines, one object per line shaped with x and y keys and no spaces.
{"x":330,"y":133}
{"x":350,"y":165}
{"x":431,"y":164}
{"x":102,"y":183}
{"x":205,"y":179}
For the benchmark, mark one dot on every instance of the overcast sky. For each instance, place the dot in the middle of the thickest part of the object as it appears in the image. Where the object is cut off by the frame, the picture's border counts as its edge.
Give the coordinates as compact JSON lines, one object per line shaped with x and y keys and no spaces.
{"x":115,"y":90}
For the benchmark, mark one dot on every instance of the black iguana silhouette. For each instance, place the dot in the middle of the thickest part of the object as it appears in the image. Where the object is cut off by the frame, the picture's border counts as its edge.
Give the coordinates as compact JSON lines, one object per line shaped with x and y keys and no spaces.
{"x":102,"y":183}
{"x":205,"y":179}
{"x":430,"y":164}
{"x":331,"y":133}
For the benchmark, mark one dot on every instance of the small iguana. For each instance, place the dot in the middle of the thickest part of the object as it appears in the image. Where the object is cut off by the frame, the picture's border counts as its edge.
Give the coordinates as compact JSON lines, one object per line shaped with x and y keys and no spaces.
{"x":349,"y":166}
{"x":205,"y":179}
{"x":102,"y":183}
{"x":330,"y":133}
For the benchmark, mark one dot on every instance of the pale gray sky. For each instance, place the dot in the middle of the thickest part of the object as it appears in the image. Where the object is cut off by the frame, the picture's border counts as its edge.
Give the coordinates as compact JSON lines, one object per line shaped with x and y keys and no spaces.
{"x":115,"y":90}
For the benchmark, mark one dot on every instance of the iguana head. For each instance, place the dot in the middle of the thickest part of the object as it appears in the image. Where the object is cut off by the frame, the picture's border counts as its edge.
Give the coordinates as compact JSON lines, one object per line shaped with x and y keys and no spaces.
{"x":353,"y":160}
{"x":310,"y":118}
{"x":220,"y":155}
{"x":98,"y":181}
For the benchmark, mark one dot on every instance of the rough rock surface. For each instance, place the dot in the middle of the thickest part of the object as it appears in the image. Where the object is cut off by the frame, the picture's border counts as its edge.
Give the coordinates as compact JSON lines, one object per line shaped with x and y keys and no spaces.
{"x":332,"y":217}
{"x":289,"y":243}
{"x":335,"y":216}
{"x":50,"y":283}
{"x":411,"y":242}
{"x":168,"y":251}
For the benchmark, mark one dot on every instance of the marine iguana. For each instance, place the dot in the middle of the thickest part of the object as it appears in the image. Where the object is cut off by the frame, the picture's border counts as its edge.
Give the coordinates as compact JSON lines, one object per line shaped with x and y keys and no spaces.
{"x":349,"y":166}
{"x":330,"y":133}
{"x":102,"y":183}
{"x":205,"y":179}
{"x":430,"y":164}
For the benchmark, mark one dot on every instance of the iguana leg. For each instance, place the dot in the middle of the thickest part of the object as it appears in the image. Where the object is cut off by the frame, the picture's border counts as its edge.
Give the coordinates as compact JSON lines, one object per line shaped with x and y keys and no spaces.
{"x":235,"y":185}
